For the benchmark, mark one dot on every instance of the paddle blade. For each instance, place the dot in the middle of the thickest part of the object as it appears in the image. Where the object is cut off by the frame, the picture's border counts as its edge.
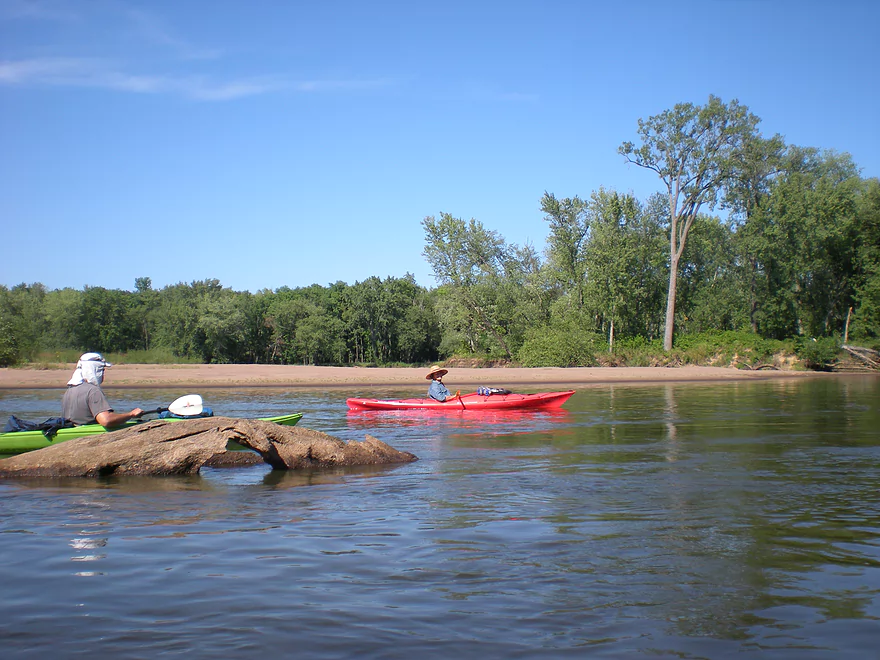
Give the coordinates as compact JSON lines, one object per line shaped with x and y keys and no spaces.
{"x":186,"y":406}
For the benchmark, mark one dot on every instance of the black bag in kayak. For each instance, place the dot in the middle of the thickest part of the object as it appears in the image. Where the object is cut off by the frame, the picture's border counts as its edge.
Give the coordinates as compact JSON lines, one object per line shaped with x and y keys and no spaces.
{"x":49,"y":427}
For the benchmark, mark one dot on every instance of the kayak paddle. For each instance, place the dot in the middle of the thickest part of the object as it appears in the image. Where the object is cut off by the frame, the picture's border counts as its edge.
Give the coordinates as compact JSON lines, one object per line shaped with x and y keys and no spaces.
{"x":185,"y":406}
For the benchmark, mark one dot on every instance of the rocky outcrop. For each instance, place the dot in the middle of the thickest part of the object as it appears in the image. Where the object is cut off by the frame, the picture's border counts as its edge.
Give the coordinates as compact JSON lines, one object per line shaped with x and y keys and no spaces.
{"x":165,"y":448}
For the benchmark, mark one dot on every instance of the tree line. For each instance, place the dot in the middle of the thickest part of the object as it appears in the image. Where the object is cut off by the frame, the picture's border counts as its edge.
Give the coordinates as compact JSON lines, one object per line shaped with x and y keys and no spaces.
{"x":374,"y":321}
{"x":793,"y":253}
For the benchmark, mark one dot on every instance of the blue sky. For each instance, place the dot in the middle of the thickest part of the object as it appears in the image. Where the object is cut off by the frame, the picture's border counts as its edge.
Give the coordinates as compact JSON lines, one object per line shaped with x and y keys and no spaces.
{"x":279,"y":143}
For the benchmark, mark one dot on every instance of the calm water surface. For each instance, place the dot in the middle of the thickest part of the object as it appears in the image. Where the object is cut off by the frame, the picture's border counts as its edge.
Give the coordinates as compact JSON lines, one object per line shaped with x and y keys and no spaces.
{"x":675,"y":521}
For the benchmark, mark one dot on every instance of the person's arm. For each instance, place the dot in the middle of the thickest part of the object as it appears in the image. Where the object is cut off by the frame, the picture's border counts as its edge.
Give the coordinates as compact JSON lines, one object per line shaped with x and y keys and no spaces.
{"x":103,"y":411}
{"x":110,"y":418}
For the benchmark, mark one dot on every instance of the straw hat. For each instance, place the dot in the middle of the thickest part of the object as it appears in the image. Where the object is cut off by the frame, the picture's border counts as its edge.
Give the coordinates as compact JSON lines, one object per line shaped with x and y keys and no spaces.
{"x":436,"y":371}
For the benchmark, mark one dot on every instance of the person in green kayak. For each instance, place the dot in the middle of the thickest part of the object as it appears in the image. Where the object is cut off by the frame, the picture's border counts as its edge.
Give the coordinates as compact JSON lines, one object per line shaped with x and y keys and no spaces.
{"x":84,"y":401}
{"x":437,"y":390}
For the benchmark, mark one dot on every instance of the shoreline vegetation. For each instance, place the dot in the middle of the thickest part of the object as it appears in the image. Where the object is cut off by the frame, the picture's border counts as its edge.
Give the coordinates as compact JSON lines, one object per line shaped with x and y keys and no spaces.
{"x":701,"y":359}
{"x":312,"y":377}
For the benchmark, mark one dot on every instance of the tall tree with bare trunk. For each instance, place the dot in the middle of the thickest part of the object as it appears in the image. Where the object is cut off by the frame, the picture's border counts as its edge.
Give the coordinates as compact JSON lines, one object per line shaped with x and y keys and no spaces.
{"x":693,"y":149}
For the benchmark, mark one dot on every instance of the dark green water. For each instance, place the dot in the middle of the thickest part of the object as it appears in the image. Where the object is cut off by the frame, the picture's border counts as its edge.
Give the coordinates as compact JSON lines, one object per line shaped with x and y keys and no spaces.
{"x":683,"y":521}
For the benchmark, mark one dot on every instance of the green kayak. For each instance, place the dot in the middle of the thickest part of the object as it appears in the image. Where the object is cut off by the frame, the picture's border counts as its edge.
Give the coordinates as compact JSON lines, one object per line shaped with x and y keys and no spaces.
{"x":22,"y":441}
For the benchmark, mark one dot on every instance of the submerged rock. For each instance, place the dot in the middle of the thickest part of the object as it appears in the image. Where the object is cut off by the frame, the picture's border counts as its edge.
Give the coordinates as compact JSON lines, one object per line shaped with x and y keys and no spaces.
{"x":183,"y":447}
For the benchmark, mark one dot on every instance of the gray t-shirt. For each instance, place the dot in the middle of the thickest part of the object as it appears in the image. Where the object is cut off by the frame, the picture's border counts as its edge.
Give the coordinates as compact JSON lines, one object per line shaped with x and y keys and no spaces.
{"x":82,"y":403}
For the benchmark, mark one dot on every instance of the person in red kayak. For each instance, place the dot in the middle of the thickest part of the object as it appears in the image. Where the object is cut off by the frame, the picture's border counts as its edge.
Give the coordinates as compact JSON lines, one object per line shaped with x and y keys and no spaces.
{"x":437,"y":390}
{"x":84,"y":401}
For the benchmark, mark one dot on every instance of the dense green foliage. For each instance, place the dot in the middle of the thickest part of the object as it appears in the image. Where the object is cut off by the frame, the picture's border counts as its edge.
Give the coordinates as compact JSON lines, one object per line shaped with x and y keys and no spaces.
{"x":373,"y":322}
{"x":794,"y":266}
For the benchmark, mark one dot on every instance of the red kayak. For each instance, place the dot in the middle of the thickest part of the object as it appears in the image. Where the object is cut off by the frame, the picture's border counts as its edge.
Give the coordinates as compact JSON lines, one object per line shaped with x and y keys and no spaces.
{"x":473,"y":401}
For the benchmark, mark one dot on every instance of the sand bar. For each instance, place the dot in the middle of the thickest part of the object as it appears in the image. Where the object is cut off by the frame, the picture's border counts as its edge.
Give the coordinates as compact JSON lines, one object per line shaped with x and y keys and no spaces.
{"x":261,"y":375}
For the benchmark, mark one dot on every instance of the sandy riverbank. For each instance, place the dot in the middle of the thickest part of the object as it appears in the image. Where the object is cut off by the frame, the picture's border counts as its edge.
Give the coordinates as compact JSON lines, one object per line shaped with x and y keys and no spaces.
{"x":261,"y":375}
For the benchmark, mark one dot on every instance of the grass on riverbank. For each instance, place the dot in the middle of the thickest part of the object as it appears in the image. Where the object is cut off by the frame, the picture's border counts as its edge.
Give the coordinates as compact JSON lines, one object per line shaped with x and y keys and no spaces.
{"x":61,"y":359}
{"x":741,"y":350}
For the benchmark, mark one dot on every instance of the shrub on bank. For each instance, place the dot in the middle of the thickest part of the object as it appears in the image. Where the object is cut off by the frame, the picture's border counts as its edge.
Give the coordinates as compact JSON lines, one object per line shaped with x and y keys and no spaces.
{"x":728,"y":348}
{"x":818,"y":354}
{"x":560,"y":347}
{"x":637,"y":352}
{"x":739,"y":349}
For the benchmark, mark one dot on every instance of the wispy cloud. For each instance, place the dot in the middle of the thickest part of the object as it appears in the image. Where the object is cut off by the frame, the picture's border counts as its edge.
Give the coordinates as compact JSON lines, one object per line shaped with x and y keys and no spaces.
{"x":99,"y":74}
{"x":34,"y":10}
{"x":339,"y":85}
{"x":148,"y":40}
{"x":151,"y":28}
{"x":143,"y":26}
{"x":43,"y":70}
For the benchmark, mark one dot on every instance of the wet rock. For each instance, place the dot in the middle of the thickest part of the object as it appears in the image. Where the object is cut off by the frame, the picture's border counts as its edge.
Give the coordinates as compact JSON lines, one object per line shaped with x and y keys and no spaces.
{"x":183,"y":447}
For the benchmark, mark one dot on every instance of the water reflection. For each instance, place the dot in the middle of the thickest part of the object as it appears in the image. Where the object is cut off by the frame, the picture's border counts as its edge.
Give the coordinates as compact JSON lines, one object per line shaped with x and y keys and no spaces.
{"x":281,"y":479}
{"x":671,"y":413}
{"x":123,"y":484}
{"x":92,"y":531}
{"x":477,"y":419}
{"x":84,"y":544}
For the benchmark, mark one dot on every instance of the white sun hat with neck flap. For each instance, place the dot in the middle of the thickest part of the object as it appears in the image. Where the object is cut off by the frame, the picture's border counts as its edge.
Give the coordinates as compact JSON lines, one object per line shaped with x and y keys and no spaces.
{"x":89,"y":369}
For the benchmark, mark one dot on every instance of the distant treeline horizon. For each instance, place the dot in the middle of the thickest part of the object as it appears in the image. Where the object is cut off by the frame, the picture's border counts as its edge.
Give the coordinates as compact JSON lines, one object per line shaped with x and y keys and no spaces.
{"x":796,"y":258}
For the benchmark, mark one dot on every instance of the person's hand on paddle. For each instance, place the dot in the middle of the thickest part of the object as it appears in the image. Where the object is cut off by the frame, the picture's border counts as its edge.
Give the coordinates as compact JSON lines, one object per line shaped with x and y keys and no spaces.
{"x":108,"y":418}
{"x":457,"y":394}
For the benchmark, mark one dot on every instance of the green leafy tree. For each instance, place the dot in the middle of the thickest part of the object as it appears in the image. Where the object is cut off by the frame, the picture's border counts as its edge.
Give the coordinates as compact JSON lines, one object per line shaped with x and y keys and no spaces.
{"x":318,"y":336}
{"x":177,"y":327}
{"x":804,"y":242}
{"x":146,"y":303}
{"x":526,"y":293}
{"x":8,"y":341}
{"x":625,"y":264}
{"x":306,"y":326}
{"x":23,"y":307}
{"x":389,"y":320}
{"x":256,"y":340}
{"x":754,"y":169}
{"x":711,"y":295}
{"x":459,"y":334}
{"x":866,"y":323}
{"x":281,"y":320}
{"x":223,"y":321}
{"x":419,"y":331}
{"x":370,"y":319}
{"x":693,"y":149}
{"x":105,"y":321}
{"x":62,"y":311}
{"x":822,"y":201}
{"x":567,"y":244}
{"x":605,"y":268}
{"x":472,"y":262}
{"x":414,"y":331}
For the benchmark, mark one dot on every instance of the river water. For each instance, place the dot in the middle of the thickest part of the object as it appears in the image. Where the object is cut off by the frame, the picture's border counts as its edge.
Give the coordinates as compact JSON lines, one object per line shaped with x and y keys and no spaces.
{"x":671,"y":521}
